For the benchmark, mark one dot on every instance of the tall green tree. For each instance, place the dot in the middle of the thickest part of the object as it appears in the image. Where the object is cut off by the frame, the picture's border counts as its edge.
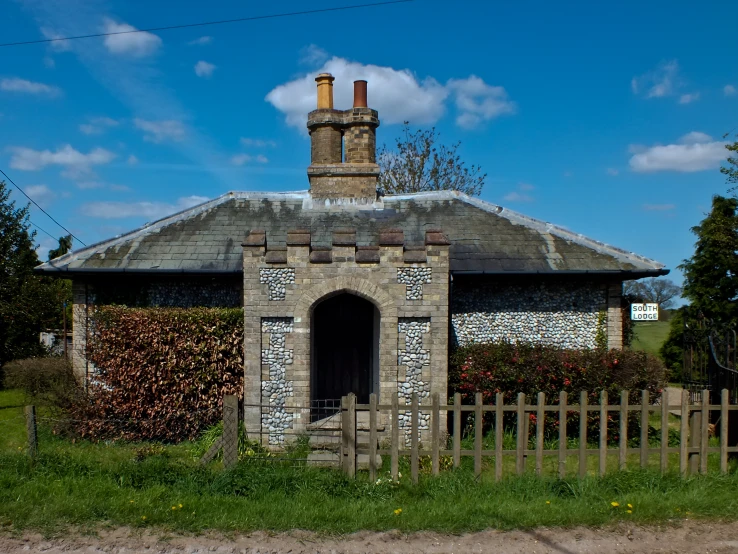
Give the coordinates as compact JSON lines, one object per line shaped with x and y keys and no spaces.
{"x":711,"y":274}
{"x":28,"y":303}
{"x":731,"y":169}
{"x":420,"y":164}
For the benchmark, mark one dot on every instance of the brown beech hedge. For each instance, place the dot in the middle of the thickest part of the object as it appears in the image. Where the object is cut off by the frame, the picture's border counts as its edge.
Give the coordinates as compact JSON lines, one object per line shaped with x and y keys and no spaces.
{"x":160,"y":373}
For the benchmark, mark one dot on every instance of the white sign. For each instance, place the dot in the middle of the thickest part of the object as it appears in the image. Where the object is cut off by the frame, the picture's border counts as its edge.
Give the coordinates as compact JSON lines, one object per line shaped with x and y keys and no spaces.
{"x":644,"y":312}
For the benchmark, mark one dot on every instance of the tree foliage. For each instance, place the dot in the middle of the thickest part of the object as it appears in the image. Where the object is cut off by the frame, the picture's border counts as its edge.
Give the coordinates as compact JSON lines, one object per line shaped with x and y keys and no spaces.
{"x":419,"y":164}
{"x":731,"y":170}
{"x":28,"y":303}
{"x":711,"y":274}
{"x":65,"y":245}
{"x":654,"y":290}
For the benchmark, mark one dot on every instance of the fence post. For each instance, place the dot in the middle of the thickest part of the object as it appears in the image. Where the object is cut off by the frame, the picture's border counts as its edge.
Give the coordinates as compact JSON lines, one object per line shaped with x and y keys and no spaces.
{"x":522,"y":435}
{"x":704,"y":429}
{"x":684,"y":433}
{"x":395,"y":455}
{"x":540,"y":419}
{"x":499,"y":404}
{"x":230,"y":431}
{"x":31,"y":431}
{"x":664,"y":458}
{"x":563,"y":400}
{"x":414,"y":440}
{"x":583,"y":434}
{"x":645,"y":398}
{"x":457,"y":429}
{"x":622,"y":455}
{"x":604,"y":415}
{"x":373,"y":437}
{"x":348,"y":434}
{"x":724,"y":400}
{"x":695,"y":423}
{"x":435,"y":428}
{"x":478,"y":434}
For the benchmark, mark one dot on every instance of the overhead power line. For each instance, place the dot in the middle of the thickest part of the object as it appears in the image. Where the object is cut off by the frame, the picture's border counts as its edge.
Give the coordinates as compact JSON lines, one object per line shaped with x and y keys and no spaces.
{"x":40,"y":208}
{"x":206,"y":23}
{"x":40,"y":229}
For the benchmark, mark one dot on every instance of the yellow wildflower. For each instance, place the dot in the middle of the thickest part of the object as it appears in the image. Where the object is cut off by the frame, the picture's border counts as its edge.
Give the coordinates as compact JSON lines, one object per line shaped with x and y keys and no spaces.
{"x":614,"y":504}
{"x":174,"y":507}
{"x":398,"y":511}
{"x":630,"y":506}
{"x":131,"y":501}
{"x":143,"y":517}
{"x":180,"y":506}
{"x":629,"y":511}
{"x":548,"y":502}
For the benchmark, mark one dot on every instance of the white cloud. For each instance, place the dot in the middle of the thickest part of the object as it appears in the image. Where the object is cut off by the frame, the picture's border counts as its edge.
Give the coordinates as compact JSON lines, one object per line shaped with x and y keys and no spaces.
{"x":56,"y":45}
{"x":89,"y":185}
{"x":313,"y":55}
{"x":159,"y":131}
{"x":15,"y":84}
{"x":41,"y":194}
{"x":518,"y":197}
{"x":398,"y":95}
{"x":262,"y":159}
{"x":200,"y":41}
{"x":477,"y":101}
{"x":98,"y":125}
{"x":658,"y":207}
{"x":132,"y":42}
{"x":151,"y":210}
{"x":612,"y":171}
{"x":257,"y":143}
{"x":695,"y":137}
{"x":132,"y":160}
{"x":243,"y":159}
{"x":76,"y":163}
{"x":204,"y":69}
{"x":695,"y":152}
{"x":662,"y":81}
{"x":49,"y":62}
{"x":689,"y":98}
{"x":120,"y":188}
{"x":729,"y":90}
{"x":525,"y":186}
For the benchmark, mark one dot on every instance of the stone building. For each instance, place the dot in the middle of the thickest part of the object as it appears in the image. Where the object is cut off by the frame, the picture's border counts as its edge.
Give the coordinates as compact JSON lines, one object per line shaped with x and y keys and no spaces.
{"x":347,"y":290}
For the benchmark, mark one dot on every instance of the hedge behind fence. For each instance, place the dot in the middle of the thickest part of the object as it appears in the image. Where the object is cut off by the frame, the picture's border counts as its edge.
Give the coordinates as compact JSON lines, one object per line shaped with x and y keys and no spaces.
{"x":161,"y":372}
{"x":528,"y":368}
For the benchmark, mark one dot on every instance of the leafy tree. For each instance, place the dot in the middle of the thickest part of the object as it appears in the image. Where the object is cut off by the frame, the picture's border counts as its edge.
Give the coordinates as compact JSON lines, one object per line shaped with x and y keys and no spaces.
{"x":65,"y":245}
{"x":711,"y":274}
{"x":418,"y":164}
{"x":731,"y":170}
{"x":657,"y":291}
{"x":28,"y":302}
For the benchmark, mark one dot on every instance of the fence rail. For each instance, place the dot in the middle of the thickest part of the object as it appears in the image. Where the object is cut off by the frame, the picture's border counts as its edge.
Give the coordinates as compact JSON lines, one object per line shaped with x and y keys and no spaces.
{"x":692,"y":451}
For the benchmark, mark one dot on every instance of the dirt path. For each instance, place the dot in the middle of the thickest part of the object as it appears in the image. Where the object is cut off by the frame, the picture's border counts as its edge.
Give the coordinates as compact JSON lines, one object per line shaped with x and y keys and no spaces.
{"x":689,"y":536}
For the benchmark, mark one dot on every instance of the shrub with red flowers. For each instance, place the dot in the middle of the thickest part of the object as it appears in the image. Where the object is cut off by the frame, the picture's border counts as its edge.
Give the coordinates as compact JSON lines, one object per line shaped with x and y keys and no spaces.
{"x":530,"y":368}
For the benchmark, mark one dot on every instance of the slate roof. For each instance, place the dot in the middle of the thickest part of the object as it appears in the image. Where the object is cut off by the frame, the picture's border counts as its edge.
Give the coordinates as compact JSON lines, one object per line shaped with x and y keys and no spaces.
{"x":485,"y":238}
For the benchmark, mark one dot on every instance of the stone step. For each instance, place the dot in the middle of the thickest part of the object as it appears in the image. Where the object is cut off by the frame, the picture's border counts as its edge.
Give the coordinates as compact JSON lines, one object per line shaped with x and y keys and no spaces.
{"x":324,"y":458}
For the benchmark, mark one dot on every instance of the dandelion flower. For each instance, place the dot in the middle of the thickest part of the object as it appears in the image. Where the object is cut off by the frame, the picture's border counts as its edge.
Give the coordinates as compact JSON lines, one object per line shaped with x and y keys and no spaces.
{"x":174,"y":507}
{"x":180,"y":506}
{"x":630,"y":506}
{"x":398,"y":511}
{"x":629,"y":511}
{"x":143,"y":517}
{"x":131,"y":501}
{"x":548,"y":502}
{"x":614,"y":504}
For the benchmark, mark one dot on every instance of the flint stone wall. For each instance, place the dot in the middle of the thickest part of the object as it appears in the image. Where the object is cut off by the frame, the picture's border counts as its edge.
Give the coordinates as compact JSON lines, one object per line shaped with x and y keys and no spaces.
{"x":555,"y":313}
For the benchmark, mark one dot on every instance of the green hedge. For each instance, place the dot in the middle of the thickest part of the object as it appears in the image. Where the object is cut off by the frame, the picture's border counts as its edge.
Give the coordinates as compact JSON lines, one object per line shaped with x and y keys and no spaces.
{"x":160,"y":373}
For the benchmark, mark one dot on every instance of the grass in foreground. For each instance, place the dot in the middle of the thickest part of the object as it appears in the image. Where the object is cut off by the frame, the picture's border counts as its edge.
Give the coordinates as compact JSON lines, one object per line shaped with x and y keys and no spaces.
{"x":56,"y":492}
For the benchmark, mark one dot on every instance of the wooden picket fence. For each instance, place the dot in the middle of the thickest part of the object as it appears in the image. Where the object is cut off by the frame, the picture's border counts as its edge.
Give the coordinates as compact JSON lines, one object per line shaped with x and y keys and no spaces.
{"x":693,"y":449}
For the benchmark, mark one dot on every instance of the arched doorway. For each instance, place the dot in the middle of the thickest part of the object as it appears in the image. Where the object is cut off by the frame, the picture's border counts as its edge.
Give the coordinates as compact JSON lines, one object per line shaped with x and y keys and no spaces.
{"x":345,"y":350}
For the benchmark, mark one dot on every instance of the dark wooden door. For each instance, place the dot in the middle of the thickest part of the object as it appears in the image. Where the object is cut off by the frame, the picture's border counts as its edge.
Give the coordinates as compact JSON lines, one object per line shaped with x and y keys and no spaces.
{"x":343,"y":348}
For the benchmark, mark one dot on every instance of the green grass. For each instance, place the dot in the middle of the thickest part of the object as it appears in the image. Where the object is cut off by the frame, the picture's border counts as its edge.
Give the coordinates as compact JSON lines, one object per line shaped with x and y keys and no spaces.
{"x":649,"y":336}
{"x":90,"y":485}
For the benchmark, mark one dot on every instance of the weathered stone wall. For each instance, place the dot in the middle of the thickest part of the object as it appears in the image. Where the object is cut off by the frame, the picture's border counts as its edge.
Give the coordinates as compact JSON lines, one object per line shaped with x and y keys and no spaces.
{"x":563,"y":313}
{"x":139,"y":291}
{"x":289,"y":283}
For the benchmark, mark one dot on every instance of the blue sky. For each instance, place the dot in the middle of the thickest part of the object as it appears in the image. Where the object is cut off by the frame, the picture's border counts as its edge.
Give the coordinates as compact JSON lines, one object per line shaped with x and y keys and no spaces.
{"x":605,"y":118}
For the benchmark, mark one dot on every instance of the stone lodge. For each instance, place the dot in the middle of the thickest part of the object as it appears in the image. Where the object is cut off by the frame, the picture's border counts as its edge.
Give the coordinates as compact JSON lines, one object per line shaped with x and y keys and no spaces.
{"x":348,"y":290}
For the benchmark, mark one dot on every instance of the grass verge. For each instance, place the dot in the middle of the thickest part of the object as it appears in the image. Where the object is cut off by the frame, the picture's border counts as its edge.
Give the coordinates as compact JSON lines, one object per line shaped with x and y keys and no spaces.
{"x":649,"y":336}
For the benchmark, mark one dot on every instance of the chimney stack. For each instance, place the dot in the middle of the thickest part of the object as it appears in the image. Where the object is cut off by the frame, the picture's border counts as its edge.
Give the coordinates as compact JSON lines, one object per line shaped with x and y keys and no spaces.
{"x":360,"y":94}
{"x":343,"y":147}
{"x":325,"y":91}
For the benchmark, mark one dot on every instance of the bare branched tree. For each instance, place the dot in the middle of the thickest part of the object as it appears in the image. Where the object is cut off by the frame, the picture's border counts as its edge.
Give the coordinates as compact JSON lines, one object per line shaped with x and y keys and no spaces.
{"x":418,"y":164}
{"x":658,"y":291}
